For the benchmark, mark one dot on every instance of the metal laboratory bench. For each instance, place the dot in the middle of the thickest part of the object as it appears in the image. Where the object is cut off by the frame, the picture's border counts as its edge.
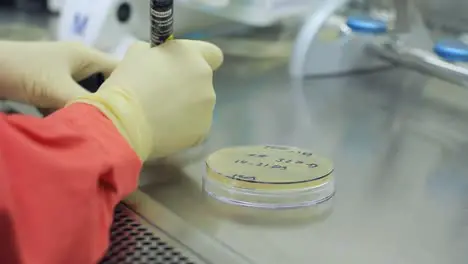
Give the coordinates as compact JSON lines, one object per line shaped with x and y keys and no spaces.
{"x":400,"y":152}
{"x":398,"y":140}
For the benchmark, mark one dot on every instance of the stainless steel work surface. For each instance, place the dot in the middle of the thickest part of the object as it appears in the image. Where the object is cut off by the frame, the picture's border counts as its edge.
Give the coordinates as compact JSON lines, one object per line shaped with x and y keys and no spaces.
{"x":398,"y":142}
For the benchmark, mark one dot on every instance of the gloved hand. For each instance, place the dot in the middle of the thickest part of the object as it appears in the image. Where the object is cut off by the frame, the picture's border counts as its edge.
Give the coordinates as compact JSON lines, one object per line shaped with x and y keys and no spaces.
{"x":43,"y":73}
{"x":161,"y":99}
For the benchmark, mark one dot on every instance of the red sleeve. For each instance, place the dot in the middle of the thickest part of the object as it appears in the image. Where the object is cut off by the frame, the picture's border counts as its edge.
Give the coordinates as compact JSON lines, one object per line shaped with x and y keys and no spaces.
{"x":60,"y":178}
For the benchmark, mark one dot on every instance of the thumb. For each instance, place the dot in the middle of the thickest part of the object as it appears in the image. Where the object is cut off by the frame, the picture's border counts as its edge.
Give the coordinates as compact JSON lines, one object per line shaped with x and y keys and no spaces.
{"x":60,"y":92}
{"x":94,"y":61}
{"x":210,"y":52}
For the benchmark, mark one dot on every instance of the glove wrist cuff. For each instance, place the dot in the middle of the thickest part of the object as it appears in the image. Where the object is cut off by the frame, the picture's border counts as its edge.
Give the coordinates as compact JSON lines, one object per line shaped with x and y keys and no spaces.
{"x":126,"y":114}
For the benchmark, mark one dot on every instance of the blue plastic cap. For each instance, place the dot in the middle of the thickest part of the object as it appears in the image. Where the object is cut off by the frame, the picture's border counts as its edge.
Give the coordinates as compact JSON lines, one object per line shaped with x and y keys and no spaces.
{"x":366,"y":24}
{"x":452,"y":50}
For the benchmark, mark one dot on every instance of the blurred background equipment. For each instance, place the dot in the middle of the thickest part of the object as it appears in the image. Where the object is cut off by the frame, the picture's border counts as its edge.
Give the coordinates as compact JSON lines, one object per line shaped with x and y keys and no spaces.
{"x":437,"y":55}
{"x":336,"y":34}
{"x":25,"y":5}
{"x":253,"y":12}
{"x":351,"y":36}
{"x":110,"y":25}
{"x":55,"y":6}
{"x":340,"y":31}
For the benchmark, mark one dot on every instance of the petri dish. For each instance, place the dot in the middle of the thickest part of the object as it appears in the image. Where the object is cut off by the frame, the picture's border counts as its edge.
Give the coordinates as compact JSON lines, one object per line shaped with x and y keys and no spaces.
{"x":269,"y":177}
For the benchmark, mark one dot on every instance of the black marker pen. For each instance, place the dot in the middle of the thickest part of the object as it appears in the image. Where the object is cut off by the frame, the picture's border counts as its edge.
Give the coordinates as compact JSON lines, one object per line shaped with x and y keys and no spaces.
{"x":161,"y":15}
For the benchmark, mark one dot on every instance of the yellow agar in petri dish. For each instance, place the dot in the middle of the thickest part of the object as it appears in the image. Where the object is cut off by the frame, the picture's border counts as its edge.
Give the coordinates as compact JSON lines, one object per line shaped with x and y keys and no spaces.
{"x":269,"y":176}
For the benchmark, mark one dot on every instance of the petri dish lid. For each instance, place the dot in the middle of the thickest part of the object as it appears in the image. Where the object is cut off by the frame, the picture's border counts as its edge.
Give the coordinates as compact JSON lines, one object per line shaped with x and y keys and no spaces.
{"x":366,"y":24}
{"x":453,"y":50}
{"x":268,"y":177}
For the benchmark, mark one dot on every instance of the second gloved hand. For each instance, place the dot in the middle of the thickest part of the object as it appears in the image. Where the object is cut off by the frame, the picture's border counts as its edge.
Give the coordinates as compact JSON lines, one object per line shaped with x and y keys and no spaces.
{"x":161,"y":99}
{"x":45,"y":74}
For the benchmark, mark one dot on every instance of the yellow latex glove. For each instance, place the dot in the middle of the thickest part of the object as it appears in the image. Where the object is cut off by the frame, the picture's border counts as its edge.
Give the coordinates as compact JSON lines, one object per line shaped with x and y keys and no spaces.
{"x":43,"y":73}
{"x":161,"y":99}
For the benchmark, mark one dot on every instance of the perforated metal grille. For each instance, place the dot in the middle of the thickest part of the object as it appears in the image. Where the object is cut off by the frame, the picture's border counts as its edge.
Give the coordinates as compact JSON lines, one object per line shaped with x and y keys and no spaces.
{"x":131,"y":242}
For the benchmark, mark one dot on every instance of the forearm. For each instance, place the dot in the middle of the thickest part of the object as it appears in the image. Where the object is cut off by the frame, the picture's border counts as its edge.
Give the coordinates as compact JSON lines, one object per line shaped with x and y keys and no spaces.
{"x":60,"y":179}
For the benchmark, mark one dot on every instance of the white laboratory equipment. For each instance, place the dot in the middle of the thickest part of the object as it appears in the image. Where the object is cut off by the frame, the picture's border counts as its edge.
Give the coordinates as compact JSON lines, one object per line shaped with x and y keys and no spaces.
{"x":55,"y":6}
{"x":255,"y":12}
{"x":330,"y":43}
{"x":410,"y":46}
{"x":111,"y":25}
{"x":339,"y":47}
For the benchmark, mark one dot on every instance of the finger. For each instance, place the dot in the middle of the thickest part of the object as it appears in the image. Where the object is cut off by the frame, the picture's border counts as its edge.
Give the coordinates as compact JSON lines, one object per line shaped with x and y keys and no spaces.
{"x":96,"y":61}
{"x":60,"y":92}
{"x":210,"y":52}
{"x":86,"y":61}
